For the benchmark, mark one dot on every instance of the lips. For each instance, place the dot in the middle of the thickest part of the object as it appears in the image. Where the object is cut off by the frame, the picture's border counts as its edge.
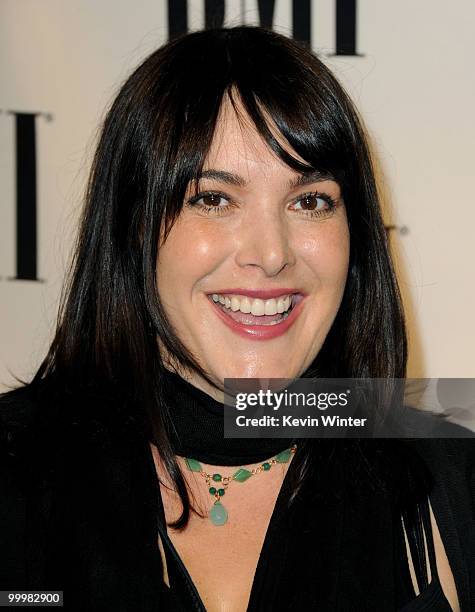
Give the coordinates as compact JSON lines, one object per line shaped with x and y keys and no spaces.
{"x":251,"y":318}
{"x":263,"y":294}
{"x":254,"y":327}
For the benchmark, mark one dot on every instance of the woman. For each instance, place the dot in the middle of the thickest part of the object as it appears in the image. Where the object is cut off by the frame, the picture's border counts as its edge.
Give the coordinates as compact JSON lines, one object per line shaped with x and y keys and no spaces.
{"x":232,"y":230}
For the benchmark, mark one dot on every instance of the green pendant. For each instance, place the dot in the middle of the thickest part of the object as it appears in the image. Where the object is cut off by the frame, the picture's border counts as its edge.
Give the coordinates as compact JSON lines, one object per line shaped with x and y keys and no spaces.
{"x":242,"y":474}
{"x":193,"y":465}
{"x":284,"y":456}
{"x":218,"y":514}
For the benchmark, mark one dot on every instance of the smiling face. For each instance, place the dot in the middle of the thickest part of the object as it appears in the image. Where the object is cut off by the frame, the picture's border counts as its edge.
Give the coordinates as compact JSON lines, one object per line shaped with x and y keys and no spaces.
{"x":253,"y":271}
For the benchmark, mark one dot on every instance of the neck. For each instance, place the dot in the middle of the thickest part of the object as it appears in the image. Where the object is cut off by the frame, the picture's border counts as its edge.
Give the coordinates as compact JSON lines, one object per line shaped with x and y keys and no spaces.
{"x":200,"y":383}
{"x":197,"y":428}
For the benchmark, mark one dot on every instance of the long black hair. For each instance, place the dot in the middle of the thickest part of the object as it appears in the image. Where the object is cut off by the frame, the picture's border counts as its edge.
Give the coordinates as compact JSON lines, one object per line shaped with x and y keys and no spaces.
{"x":153,"y":142}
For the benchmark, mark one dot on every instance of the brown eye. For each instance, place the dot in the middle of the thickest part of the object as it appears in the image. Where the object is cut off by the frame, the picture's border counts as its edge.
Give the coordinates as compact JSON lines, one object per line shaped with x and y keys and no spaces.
{"x":309,"y":202}
{"x":315,"y":203}
{"x":312,"y":202}
{"x":211,"y":202}
{"x":211,"y":199}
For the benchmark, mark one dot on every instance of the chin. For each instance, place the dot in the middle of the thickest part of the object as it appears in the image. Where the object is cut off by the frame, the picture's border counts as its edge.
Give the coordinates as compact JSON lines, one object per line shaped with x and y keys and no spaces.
{"x":261,"y":371}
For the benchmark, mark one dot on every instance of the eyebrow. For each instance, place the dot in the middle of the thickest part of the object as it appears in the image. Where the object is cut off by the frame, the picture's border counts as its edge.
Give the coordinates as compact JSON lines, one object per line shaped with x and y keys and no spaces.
{"x":223,"y":176}
{"x":307,"y":178}
{"x":314,"y":176}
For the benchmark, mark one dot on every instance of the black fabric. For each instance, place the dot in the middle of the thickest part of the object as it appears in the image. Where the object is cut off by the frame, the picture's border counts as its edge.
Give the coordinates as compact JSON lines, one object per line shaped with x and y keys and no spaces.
{"x":198,"y":430}
{"x":80,"y":512}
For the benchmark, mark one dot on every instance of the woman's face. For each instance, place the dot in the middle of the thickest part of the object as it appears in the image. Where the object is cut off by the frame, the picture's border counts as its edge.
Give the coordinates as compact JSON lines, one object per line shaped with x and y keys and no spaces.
{"x":260,"y":238}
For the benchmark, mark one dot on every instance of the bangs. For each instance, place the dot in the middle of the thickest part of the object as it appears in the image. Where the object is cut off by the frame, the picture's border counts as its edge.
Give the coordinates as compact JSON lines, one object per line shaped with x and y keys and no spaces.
{"x":301,"y":99}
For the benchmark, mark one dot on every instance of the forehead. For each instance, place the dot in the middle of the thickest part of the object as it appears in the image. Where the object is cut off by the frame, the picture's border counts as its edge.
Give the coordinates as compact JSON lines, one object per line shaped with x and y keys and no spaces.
{"x":237,"y":145}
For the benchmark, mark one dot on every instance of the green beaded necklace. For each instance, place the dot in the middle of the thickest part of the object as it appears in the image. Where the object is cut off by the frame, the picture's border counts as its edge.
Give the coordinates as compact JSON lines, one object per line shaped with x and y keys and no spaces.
{"x":218,"y":514}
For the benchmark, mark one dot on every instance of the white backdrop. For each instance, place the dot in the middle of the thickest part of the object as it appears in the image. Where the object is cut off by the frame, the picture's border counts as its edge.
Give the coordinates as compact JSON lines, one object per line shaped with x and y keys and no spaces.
{"x":413,"y":83}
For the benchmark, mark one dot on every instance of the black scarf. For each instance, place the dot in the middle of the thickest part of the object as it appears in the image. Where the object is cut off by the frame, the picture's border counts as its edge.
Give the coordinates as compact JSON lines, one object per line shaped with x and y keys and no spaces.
{"x":197,"y":429}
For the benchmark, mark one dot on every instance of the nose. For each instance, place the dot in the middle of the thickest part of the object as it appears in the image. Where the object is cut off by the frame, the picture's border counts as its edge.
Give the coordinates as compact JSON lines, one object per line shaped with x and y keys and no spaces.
{"x":265,"y":243}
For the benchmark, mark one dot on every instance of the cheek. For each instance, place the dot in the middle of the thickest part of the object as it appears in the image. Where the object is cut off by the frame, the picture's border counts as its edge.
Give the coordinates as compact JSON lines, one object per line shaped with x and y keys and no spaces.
{"x":190,"y":253}
{"x":327,"y":255}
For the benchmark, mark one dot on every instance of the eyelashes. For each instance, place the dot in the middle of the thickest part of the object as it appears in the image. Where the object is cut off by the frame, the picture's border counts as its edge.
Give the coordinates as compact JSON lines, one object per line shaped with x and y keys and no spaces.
{"x":209,"y":202}
{"x":314,"y":196}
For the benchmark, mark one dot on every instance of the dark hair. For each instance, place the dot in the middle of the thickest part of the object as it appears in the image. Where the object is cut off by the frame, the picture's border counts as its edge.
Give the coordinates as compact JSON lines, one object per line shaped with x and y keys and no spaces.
{"x":154,"y":141}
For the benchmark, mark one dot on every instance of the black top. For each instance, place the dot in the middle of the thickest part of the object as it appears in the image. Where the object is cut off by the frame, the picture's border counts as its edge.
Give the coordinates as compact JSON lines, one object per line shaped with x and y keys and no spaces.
{"x":287,"y":587}
{"x":80,"y":511}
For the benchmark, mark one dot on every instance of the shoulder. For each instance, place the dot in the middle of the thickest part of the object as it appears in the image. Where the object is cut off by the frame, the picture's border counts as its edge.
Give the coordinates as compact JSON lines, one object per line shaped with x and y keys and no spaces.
{"x":451,"y":463}
{"x":446,"y":454}
{"x":18,"y":414}
{"x":412,"y":468}
{"x":417,"y":423}
{"x":18,"y":410}
{"x":17,"y":406}
{"x":24,"y":412}
{"x":47,"y":418}
{"x":447,"y":449}
{"x":61,"y":454}
{"x":44,"y":418}
{"x":47,"y":435}
{"x":452,"y":497}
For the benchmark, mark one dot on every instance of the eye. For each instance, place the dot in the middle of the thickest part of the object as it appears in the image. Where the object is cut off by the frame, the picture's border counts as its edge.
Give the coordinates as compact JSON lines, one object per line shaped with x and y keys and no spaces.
{"x":309,"y":204}
{"x":210,"y":202}
{"x":314,"y":204}
{"x":209,"y":199}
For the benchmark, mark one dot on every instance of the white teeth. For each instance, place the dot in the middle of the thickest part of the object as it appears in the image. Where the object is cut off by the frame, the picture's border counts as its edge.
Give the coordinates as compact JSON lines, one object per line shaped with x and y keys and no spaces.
{"x":270,"y":307}
{"x":256,"y":307}
{"x":245,"y":305}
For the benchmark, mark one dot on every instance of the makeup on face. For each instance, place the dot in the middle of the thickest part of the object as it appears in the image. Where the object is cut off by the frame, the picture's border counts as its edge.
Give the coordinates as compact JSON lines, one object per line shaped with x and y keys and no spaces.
{"x":253,"y":272}
{"x":258,"y":314}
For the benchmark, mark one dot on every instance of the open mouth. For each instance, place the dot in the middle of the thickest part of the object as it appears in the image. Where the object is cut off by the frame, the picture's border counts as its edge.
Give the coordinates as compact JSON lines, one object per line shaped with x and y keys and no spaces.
{"x":248,"y":311}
